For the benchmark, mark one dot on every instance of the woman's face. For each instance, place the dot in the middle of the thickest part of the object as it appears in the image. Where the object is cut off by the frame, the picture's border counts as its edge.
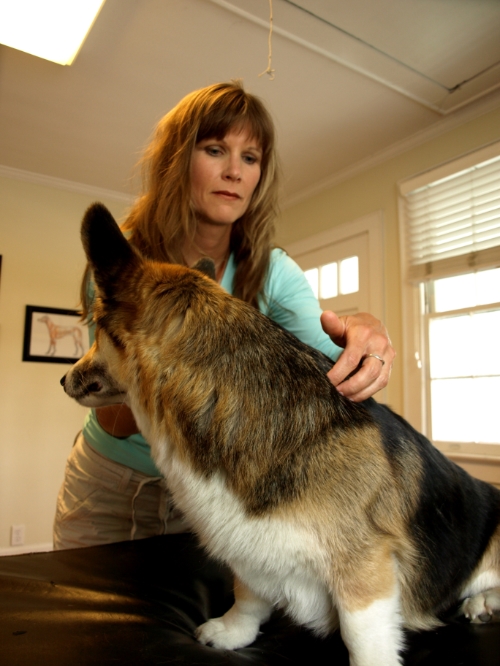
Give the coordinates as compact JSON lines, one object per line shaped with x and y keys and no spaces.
{"x":224,"y":175}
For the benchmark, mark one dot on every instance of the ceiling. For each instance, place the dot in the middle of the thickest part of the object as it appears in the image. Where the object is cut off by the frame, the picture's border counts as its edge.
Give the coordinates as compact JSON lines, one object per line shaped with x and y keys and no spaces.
{"x":351,"y":81}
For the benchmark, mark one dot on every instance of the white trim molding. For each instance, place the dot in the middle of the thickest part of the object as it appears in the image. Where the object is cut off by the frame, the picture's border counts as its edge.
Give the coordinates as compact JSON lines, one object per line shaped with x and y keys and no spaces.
{"x":62,"y":184}
{"x":23,"y":550}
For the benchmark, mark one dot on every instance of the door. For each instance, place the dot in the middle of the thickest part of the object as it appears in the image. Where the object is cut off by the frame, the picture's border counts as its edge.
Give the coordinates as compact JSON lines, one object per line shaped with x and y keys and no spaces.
{"x":345,"y":267}
{"x":338,"y":274}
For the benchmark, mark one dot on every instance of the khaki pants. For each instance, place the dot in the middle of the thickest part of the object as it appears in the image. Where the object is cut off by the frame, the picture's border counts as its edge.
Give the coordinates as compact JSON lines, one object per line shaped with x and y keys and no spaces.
{"x":101,"y":501}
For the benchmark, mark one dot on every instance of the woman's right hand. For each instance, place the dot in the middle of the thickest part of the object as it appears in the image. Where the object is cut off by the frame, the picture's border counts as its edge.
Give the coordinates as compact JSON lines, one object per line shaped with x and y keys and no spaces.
{"x":362,"y":336}
{"x":117,"y":420}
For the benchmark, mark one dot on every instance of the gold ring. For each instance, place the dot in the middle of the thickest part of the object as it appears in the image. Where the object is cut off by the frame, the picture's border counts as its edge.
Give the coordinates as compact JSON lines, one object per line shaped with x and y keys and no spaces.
{"x":377,"y":357}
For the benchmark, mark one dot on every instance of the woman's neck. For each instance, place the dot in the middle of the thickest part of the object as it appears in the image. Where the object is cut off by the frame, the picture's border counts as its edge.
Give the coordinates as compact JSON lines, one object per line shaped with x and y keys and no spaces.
{"x":211,"y":240}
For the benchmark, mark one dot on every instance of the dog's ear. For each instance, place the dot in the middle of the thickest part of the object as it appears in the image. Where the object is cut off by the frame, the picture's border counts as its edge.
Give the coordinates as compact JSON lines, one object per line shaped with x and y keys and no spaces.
{"x":206,"y":266}
{"x":110,"y":255}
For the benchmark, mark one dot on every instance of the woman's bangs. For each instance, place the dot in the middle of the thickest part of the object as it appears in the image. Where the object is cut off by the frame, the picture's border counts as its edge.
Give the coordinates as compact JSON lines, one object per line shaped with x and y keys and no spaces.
{"x":236,"y":117}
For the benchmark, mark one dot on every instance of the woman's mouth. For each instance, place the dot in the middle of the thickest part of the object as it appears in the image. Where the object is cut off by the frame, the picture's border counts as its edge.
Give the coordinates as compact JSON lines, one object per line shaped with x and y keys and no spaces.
{"x":229,"y":195}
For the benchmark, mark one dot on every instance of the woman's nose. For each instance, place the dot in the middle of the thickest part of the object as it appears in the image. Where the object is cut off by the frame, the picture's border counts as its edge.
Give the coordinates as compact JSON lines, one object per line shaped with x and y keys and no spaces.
{"x":233,"y":169}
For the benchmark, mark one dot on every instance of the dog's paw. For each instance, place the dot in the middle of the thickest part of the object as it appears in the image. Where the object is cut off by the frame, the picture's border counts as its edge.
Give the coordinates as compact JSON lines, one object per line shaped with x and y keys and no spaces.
{"x":482,"y":607}
{"x":220,"y":633}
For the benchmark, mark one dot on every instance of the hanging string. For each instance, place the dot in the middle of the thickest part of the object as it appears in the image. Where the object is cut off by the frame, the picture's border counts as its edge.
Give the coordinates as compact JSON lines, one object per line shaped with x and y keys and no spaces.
{"x":270,"y":70}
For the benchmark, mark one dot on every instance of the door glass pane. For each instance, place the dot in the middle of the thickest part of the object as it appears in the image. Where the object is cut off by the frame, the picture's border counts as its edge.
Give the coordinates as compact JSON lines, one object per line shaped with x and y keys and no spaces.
{"x":312,"y":278}
{"x":329,"y":280}
{"x":349,"y":275}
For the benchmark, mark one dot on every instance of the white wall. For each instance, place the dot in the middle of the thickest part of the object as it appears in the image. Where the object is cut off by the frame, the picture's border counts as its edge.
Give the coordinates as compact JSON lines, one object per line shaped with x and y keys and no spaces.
{"x":42,"y":263}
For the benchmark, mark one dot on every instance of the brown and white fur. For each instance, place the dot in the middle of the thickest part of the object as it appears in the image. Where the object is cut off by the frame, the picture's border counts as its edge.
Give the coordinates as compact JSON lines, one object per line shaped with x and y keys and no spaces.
{"x":341,"y":514}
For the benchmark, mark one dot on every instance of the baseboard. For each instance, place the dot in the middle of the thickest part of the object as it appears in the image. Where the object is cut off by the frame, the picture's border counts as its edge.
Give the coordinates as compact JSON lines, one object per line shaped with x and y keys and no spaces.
{"x":21,"y":550}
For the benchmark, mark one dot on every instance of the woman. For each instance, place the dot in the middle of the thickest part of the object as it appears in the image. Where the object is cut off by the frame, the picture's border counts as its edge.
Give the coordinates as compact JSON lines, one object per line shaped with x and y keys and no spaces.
{"x":210,"y":190}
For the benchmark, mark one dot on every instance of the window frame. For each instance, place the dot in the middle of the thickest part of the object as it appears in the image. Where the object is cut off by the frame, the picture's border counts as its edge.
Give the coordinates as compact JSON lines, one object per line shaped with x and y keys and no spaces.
{"x":482,"y":461}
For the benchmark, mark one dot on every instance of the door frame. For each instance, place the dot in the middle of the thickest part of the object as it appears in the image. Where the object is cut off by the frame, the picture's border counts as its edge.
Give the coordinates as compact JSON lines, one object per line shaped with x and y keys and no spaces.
{"x":373,"y":225}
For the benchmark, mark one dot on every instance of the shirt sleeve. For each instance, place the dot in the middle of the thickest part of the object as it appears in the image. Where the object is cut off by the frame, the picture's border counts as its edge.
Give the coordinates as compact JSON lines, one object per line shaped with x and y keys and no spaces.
{"x":290,"y":302}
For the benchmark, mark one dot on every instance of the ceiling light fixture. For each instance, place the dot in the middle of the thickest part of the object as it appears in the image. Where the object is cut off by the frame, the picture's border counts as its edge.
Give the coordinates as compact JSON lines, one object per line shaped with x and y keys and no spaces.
{"x":50,"y":29}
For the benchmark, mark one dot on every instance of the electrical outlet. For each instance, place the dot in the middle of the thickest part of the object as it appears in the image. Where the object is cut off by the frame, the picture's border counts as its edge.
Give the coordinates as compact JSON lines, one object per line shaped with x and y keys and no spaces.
{"x":17,"y":535}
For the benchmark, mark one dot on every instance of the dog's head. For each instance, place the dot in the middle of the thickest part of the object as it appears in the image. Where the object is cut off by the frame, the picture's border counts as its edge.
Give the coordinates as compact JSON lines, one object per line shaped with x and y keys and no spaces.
{"x":138,"y":305}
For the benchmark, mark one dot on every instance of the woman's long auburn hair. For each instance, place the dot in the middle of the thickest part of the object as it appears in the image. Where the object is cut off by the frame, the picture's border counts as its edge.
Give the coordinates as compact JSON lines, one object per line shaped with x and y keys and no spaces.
{"x":163,"y":217}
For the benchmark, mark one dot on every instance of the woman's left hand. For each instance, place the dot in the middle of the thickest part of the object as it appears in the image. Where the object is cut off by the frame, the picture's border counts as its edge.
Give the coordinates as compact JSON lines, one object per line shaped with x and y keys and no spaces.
{"x":368,"y":353}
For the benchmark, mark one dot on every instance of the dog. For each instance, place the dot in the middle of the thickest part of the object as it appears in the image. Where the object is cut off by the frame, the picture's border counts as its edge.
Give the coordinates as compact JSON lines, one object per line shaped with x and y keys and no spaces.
{"x":339,"y":513}
{"x":56,"y":332}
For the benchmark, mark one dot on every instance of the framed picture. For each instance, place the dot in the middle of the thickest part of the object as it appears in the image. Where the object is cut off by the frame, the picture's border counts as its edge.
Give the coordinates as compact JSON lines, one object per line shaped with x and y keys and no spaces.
{"x":53,"y":335}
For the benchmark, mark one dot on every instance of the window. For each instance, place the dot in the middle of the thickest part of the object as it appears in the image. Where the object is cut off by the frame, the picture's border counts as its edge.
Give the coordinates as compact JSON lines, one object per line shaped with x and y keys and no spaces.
{"x":335,"y":278}
{"x":450,"y":229}
{"x":463,"y":325}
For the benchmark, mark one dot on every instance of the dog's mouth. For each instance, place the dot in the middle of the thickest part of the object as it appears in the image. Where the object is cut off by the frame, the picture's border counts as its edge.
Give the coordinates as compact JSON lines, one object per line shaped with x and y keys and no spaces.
{"x":89,"y":389}
{"x":94,"y":387}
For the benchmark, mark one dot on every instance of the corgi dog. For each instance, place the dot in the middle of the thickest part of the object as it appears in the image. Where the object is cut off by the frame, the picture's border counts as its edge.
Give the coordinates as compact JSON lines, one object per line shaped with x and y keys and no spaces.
{"x":341,"y":514}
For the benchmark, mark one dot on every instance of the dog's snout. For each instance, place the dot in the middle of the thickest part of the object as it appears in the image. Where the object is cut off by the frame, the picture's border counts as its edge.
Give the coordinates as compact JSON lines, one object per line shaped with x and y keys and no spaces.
{"x":63,"y":380}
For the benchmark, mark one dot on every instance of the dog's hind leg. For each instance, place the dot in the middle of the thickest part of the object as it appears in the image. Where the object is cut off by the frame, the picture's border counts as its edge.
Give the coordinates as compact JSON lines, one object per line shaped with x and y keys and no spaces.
{"x":373,"y":635}
{"x":482,"y":592}
{"x":240,"y":625}
{"x":483,"y":606}
{"x":369,"y":607}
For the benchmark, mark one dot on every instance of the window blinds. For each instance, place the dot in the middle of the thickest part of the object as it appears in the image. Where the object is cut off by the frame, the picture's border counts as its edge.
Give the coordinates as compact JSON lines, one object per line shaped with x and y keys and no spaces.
{"x":452,"y":224}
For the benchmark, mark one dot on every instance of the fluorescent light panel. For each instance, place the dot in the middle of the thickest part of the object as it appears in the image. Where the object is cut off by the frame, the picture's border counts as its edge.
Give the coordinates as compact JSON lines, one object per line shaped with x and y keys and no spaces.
{"x":50,"y":29}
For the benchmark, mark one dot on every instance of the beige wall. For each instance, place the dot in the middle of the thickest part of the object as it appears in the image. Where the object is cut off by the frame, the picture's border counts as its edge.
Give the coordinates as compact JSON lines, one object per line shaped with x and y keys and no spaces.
{"x":376,"y":189}
{"x":42,"y":265}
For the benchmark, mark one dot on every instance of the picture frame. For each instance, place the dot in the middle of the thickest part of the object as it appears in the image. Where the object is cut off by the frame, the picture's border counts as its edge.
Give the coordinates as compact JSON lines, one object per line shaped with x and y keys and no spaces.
{"x":54,"y":335}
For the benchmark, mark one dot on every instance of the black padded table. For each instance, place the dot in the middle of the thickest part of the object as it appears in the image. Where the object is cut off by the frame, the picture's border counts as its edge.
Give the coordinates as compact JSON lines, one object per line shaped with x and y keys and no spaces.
{"x":139,"y":603}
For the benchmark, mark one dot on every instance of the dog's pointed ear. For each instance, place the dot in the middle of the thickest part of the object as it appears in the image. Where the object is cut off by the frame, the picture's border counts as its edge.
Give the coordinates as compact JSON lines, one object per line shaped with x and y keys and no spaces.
{"x":109,"y":254}
{"x":206,"y":266}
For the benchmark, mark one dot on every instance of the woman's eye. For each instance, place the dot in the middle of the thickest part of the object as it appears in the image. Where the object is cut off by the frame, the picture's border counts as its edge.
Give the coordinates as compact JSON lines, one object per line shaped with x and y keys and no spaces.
{"x":213,"y":150}
{"x":250,"y":159}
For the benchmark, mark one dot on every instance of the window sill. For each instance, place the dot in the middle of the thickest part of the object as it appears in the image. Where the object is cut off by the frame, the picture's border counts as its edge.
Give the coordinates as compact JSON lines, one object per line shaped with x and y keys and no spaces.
{"x":484,"y":467}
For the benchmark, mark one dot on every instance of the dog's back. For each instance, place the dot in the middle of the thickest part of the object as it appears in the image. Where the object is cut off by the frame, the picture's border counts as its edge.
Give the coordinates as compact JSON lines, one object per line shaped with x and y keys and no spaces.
{"x":454,"y":516}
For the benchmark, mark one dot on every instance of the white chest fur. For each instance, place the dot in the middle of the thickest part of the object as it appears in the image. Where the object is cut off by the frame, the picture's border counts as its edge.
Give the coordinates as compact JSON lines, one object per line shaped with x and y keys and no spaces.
{"x":280,"y":561}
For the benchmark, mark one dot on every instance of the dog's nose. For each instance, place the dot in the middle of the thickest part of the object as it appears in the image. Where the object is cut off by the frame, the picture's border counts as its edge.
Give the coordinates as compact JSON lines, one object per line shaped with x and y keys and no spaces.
{"x":63,"y":380}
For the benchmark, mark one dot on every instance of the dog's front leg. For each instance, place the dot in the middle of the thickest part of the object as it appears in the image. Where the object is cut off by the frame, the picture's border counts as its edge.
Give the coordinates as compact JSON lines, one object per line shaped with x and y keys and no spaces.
{"x":240,"y":625}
